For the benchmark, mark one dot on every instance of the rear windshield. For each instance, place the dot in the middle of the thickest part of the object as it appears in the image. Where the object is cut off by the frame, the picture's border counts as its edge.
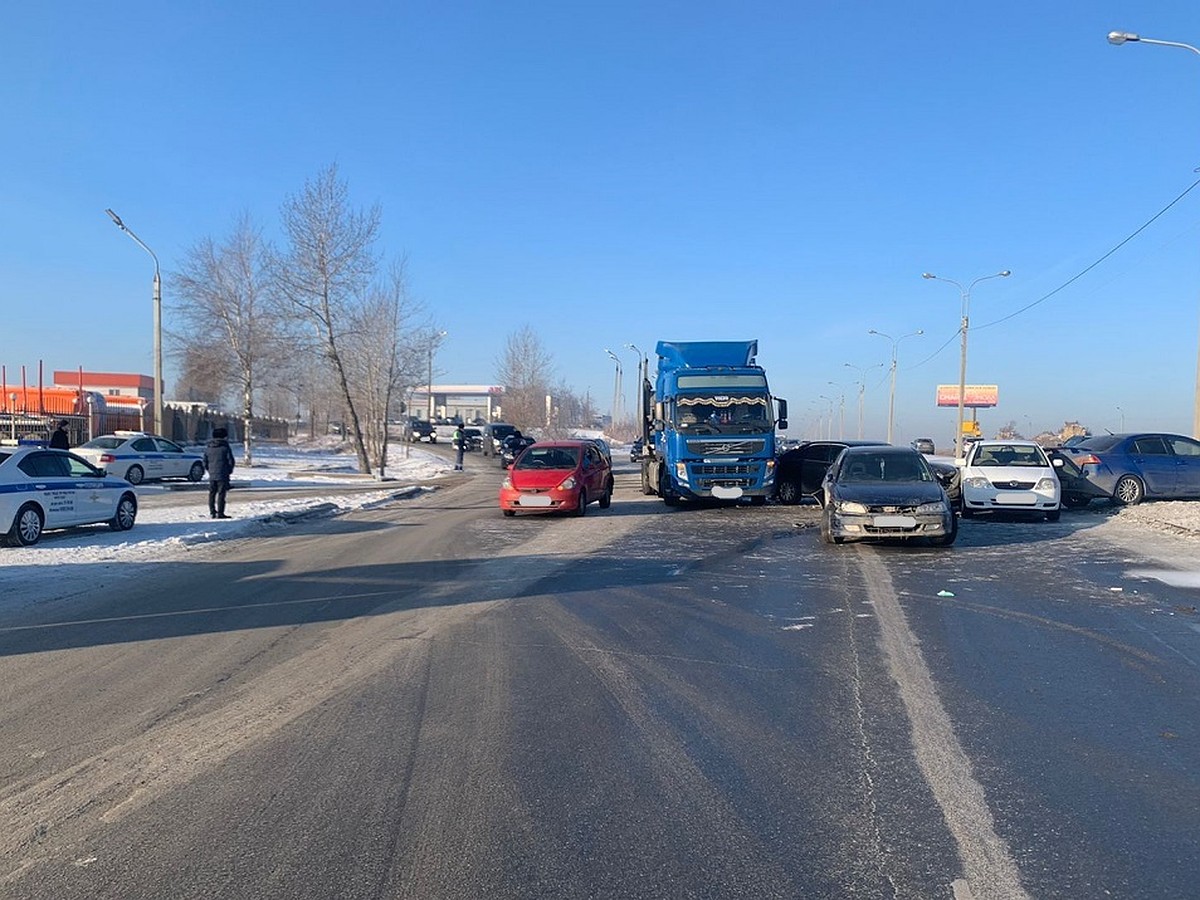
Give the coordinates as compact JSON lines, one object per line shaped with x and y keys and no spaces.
{"x":1103,"y":442}
{"x":104,"y":443}
{"x":549,"y":458}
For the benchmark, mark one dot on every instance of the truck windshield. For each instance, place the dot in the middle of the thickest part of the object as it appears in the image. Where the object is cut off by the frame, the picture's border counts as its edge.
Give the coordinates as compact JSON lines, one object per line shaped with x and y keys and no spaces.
{"x":723,"y":414}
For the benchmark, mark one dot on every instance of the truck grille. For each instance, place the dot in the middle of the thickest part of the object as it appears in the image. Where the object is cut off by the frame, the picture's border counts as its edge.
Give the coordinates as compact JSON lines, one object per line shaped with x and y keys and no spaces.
{"x":725,"y":448}
{"x":736,"y":469}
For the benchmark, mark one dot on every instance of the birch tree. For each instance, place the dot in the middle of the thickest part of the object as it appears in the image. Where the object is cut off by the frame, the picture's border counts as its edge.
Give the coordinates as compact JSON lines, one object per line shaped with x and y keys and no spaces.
{"x":325,"y":272}
{"x":526,"y":369}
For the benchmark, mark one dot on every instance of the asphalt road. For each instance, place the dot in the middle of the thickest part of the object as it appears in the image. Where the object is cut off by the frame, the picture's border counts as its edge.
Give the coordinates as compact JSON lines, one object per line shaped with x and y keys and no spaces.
{"x":428,"y":700}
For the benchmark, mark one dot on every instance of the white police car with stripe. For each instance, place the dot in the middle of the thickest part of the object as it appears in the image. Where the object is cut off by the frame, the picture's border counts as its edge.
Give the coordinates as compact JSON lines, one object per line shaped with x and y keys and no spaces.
{"x":137,"y":456}
{"x":41,"y":489}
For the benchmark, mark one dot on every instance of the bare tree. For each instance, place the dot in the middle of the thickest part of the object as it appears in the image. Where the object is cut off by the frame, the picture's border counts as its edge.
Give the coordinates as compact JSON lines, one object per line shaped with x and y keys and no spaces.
{"x":325,"y":275}
{"x":525,"y":368}
{"x":381,"y":360}
{"x":225,"y":288}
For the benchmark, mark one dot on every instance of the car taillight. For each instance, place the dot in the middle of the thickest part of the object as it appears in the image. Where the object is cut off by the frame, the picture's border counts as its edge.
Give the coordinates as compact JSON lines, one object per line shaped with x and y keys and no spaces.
{"x":107,"y":458}
{"x":1087,"y":459}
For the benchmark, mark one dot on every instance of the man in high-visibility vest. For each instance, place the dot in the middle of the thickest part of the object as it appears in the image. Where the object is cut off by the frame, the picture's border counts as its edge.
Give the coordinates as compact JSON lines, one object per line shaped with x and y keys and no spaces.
{"x":459,"y":441}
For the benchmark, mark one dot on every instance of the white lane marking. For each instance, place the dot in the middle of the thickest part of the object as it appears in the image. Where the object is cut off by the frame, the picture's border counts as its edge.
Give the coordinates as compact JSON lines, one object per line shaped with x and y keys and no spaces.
{"x":990,"y":870}
{"x":962,"y":890}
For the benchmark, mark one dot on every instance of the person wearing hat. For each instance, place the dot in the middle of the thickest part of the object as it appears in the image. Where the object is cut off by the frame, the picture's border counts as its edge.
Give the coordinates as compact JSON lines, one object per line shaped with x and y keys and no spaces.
{"x":60,"y":440}
{"x":218,"y":460}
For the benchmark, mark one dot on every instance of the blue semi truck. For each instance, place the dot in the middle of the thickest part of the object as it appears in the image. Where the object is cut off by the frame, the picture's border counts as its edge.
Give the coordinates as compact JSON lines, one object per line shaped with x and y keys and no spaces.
{"x":709,"y":423}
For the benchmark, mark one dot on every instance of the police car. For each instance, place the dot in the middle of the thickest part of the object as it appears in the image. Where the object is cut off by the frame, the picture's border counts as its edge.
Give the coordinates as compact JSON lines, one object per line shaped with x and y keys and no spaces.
{"x":136,"y":456}
{"x":41,"y":488}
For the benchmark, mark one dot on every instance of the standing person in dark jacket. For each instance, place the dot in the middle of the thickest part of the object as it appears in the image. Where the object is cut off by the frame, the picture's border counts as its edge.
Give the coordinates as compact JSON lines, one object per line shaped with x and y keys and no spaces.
{"x":60,"y":440}
{"x":218,"y":460}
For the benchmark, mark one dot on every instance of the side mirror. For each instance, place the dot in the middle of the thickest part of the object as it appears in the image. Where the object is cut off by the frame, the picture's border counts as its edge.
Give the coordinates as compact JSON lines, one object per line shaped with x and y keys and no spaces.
{"x":781,"y":425}
{"x":1057,"y":462}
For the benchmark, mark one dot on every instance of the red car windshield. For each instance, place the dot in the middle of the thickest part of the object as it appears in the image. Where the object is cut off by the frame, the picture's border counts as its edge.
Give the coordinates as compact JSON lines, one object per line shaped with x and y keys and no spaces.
{"x":549,"y":458}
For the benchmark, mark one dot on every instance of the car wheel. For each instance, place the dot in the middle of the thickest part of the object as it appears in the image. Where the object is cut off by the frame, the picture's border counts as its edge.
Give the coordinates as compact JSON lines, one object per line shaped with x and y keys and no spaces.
{"x":581,"y":509}
{"x":509,"y":512}
{"x":827,"y":531}
{"x":196,"y":472}
{"x":27,"y":526}
{"x":135,"y":475}
{"x":1053,"y":515}
{"x":606,"y":498}
{"x":1128,"y":491}
{"x":788,"y":491}
{"x":125,"y":515}
{"x":966,"y":511}
{"x":949,"y":537}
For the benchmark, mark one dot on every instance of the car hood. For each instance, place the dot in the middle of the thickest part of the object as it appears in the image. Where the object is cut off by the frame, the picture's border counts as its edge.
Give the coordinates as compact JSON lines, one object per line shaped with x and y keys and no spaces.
{"x":538,"y":479}
{"x":1005,"y":474}
{"x":904,"y":493}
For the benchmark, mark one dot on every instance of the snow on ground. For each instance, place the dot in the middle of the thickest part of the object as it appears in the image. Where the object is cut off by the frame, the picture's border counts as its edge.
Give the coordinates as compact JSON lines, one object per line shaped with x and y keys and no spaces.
{"x":164,"y":529}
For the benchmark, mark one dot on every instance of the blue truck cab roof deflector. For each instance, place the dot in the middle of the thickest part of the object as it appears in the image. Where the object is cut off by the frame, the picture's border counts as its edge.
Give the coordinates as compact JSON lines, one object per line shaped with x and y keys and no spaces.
{"x":706,"y":354}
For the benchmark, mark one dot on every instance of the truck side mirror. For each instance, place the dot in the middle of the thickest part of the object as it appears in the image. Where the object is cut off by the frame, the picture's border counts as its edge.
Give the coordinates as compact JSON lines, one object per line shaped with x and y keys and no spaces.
{"x":782,"y":404}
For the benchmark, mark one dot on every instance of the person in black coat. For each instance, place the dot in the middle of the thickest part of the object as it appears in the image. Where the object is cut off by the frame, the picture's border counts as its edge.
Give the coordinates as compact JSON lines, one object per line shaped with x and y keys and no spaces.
{"x":218,"y":461}
{"x":60,"y":440}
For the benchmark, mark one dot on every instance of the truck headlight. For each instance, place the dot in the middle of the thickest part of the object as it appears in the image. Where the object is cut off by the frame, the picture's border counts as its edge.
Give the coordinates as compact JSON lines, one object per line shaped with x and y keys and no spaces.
{"x":681,"y":471}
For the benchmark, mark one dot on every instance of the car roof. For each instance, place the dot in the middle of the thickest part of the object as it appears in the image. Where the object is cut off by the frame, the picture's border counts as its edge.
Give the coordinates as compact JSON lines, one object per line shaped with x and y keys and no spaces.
{"x":563,"y":443}
{"x":862,"y":449}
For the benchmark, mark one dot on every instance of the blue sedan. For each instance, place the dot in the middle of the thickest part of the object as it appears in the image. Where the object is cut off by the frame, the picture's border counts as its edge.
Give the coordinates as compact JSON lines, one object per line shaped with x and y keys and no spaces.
{"x":41,"y":488}
{"x":1141,"y":466}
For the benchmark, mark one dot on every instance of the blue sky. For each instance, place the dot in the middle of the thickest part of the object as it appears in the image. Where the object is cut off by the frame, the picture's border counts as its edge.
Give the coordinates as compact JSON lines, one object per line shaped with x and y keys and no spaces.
{"x":632,"y":172}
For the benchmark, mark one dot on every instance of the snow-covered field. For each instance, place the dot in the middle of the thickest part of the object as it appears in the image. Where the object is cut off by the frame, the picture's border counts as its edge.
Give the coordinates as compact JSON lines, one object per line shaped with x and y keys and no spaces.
{"x":321,"y":479}
{"x":321,"y":472}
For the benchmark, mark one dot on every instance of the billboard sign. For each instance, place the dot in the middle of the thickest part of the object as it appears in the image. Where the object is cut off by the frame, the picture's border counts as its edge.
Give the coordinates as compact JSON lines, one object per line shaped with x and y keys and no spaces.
{"x":975,"y":396}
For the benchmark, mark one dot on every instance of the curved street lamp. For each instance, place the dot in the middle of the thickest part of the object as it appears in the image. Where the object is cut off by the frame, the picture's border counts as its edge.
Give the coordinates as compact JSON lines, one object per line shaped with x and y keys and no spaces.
{"x":892,"y":392}
{"x":965,"y":295}
{"x":862,"y":389}
{"x":157,"y":299}
{"x":434,"y":340}
{"x":643,"y":374}
{"x":1128,"y":37}
{"x":616,"y":405}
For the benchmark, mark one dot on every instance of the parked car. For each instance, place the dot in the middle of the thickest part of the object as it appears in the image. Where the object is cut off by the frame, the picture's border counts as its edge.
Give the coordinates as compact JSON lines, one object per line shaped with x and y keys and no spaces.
{"x":1141,"y":466}
{"x":1014,"y":476}
{"x":887,"y":493}
{"x":949,"y":475}
{"x":494,"y":434}
{"x":636,"y":449}
{"x":924,"y":445}
{"x":557,"y":476}
{"x":43,"y":488}
{"x":800,"y":471}
{"x":137,"y":456}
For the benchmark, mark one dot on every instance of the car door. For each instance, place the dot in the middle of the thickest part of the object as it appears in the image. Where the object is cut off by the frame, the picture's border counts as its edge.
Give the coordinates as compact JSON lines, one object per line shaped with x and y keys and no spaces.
{"x":93,"y":501}
{"x":593,"y":469}
{"x":816,"y":464}
{"x":53,"y":488}
{"x":1156,"y":462}
{"x":1187,"y":465}
{"x":148,"y":456}
{"x":173,"y":459}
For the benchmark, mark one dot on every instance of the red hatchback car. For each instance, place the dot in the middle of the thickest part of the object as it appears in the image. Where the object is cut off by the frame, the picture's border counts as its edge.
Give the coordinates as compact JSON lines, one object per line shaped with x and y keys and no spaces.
{"x":557,"y":476}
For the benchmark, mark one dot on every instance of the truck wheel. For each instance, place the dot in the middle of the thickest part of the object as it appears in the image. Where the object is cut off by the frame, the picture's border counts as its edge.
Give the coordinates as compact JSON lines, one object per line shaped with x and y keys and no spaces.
{"x":664,"y":488}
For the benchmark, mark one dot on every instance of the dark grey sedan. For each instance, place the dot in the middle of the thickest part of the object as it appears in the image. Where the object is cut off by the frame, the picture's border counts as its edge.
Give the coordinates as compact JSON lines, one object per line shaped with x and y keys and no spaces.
{"x":885,"y":493}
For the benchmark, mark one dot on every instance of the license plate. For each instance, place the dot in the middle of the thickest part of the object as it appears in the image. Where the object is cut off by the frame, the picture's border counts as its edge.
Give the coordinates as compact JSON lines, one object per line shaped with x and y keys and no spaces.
{"x":894,"y":522}
{"x":721,"y":492}
{"x":535,"y":500}
{"x":1018,"y":498}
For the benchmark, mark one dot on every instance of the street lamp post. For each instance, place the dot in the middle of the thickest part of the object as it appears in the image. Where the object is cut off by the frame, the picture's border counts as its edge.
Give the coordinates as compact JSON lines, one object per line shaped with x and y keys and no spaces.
{"x":965,"y":295}
{"x":862,"y":390}
{"x":616,"y":404}
{"x":829,"y":428}
{"x":841,"y":410}
{"x":892,"y":392}
{"x":157,"y":294}
{"x":1128,"y":37}
{"x":643,"y":374}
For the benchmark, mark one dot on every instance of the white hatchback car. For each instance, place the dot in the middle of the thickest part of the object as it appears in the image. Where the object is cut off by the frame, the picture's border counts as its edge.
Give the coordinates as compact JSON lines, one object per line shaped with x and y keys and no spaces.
{"x":41,"y":488}
{"x":136,"y":456}
{"x":1009,"y":475}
